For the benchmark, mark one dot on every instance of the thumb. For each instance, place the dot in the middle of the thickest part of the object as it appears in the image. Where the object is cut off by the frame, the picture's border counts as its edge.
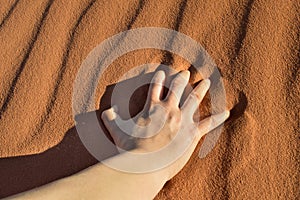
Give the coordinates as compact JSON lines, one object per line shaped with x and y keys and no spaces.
{"x":109,"y":118}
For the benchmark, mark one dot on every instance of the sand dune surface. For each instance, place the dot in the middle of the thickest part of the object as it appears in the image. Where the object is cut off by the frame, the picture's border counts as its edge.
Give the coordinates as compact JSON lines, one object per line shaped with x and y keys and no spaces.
{"x":254,"y":43}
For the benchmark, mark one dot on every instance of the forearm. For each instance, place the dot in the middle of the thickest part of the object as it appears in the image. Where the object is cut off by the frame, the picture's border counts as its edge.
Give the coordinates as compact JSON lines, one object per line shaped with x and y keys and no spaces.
{"x":100,"y":182}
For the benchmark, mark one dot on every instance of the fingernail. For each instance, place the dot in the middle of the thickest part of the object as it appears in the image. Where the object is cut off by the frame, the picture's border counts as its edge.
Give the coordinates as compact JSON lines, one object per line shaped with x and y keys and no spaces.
{"x":224,"y":114}
{"x":159,"y":76}
{"x":115,"y":108}
{"x":185,"y":74}
{"x":206,"y":82}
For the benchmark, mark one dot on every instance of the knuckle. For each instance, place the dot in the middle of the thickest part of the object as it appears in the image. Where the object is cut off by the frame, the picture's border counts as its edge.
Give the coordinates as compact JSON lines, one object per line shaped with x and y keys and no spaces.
{"x":178,"y":81}
{"x":195,"y":96}
{"x":153,"y":99}
{"x":174,"y":116}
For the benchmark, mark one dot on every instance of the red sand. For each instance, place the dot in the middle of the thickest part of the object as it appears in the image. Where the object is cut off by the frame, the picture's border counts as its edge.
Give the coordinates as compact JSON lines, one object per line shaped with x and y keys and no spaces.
{"x":255,"y":44}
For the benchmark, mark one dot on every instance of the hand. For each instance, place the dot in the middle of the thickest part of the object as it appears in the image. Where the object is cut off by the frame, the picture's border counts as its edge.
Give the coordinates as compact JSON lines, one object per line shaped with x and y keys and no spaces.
{"x":161,"y":120}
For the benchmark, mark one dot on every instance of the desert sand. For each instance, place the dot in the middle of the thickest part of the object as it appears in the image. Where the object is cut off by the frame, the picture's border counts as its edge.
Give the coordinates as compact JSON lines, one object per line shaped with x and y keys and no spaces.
{"x":255,"y":44}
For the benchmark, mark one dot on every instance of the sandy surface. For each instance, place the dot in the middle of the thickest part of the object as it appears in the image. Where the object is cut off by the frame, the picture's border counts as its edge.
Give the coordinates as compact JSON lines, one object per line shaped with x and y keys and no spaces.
{"x":255,"y":44}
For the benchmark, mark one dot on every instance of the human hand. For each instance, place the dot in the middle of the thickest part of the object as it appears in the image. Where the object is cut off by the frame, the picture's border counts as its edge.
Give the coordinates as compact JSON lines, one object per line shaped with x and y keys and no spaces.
{"x":161,"y":120}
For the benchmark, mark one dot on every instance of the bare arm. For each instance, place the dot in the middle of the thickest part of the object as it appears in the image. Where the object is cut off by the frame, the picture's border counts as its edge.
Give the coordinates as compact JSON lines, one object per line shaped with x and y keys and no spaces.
{"x":103,"y":182}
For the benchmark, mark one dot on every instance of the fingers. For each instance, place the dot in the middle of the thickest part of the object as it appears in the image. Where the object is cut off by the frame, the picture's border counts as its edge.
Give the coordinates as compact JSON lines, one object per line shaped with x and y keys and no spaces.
{"x":109,"y":118}
{"x":194,"y":99}
{"x":212,"y":122}
{"x":177,"y":87}
{"x":156,"y":87}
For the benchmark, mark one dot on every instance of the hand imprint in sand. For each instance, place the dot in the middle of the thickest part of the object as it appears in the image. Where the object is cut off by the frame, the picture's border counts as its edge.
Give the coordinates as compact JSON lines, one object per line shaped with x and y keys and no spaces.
{"x":161,"y":120}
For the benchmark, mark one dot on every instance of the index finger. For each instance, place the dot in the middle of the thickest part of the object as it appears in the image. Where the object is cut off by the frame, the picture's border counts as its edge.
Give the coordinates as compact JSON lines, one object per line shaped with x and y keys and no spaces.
{"x":194,"y":99}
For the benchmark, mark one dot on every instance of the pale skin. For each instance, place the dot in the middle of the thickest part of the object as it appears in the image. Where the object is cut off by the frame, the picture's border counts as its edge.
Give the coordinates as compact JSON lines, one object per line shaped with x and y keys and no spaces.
{"x":102,"y":182}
